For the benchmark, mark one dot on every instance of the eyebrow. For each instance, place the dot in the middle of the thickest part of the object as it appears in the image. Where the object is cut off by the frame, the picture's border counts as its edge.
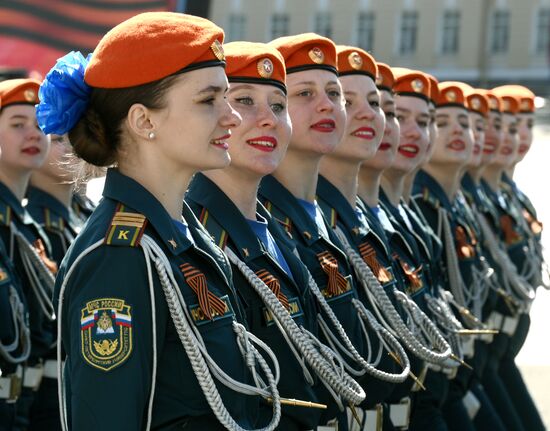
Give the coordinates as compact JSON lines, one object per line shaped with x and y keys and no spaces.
{"x":406,"y":111}
{"x":19,"y":117}
{"x":441,"y":115}
{"x":213,"y":89}
{"x":305,"y":83}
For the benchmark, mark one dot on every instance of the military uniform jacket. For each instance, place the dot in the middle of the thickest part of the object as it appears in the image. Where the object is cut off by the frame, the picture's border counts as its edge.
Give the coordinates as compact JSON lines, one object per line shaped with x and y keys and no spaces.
{"x":229,"y":228}
{"x":41,"y":325}
{"x":512,"y":230}
{"x":359,"y":235}
{"x":107,"y":318}
{"x":429,"y":196}
{"x":56,"y":220}
{"x":10,"y":290}
{"x":314,"y":247}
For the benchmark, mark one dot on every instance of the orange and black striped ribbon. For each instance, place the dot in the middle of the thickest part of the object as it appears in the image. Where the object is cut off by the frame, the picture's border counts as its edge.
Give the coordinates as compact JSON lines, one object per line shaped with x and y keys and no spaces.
{"x":274,"y":285}
{"x":464,"y":249}
{"x":369,"y":256}
{"x":507,"y":226}
{"x":207,"y":300}
{"x":337,"y":283}
{"x":413,"y":275}
{"x":38,"y":246}
{"x":534,"y":224}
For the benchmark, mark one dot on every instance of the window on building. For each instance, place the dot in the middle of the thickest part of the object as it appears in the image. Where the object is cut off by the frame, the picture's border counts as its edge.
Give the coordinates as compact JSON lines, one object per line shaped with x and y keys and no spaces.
{"x":409,"y":29}
{"x":365,"y":31}
{"x":501,"y":32}
{"x":323,"y":24}
{"x":451,"y":32}
{"x":279,"y":25}
{"x":543,"y":32}
{"x":236,"y":28}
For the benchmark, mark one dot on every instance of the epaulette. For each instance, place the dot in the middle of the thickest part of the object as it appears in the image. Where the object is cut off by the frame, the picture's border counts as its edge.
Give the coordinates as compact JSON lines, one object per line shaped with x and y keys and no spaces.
{"x":5,"y":214}
{"x":431,"y":199}
{"x":279,"y":217}
{"x":126,"y":228}
{"x":216,"y":231}
{"x":328,"y":210}
{"x":53,"y":221}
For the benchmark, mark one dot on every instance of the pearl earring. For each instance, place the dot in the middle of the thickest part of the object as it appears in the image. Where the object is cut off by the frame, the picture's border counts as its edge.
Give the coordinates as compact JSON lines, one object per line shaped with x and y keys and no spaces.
{"x":151,"y":135}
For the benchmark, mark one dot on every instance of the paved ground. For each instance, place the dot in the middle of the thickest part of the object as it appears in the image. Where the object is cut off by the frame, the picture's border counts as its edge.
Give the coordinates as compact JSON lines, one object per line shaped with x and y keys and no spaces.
{"x":533,"y":175}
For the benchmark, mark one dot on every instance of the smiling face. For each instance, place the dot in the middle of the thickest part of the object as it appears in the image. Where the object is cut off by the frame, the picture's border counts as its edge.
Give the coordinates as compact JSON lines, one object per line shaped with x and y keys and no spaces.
{"x":507,"y":151}
{"x":455,"y":140}
{"x":414,"y":117}
{"x":317,"y":112}
{"x":493,"y":138}
{"x":24,"y":146}
{"x":479,"y":123}
{"x":259,"y":143}
{"x":193,"y":129}
{"x":387,"y":150}
{"x":365,"y":119}
{"x":525,"y":129}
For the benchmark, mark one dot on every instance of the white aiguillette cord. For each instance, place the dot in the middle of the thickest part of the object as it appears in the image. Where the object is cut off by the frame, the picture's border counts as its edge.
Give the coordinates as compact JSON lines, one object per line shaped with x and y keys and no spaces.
{"x":320,"y":358}
{"x":203,"y":365}
{"x":378,"y":297}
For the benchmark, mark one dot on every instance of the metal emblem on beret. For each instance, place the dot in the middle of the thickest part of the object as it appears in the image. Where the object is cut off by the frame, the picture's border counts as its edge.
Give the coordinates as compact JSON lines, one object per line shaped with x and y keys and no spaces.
{"x":355,"y":60}
{"x":476,"y":103}
{"x":29,"y":95}
{"x":265,"y":68}
{"x":493,"y":103}
{"x":506,"y":105}
{"x":106,"y":332}
{"x":217,"y":49}
{"x":451,"y":96}
{"x":317,"y":55}
{"x":379,"y":79}
{"x":417,"y":85}
{"x":525,"y":105}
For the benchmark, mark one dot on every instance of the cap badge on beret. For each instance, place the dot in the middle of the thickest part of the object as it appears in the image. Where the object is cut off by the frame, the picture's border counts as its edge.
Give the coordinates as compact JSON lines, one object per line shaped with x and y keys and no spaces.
{"x":29,"y":95}
{"x":506,"y":105}
{"x":476,"y":103}
{"x":217,"y":49}
{"x":450,"y":96}
{"x":355,"y":60}
{"x":493,"y":103}
{"x":265,"y":68}
{"x":379,"y":79}
{"x":525,"y":105}
{"x":317,"y":55}
{"x":417,"y":85}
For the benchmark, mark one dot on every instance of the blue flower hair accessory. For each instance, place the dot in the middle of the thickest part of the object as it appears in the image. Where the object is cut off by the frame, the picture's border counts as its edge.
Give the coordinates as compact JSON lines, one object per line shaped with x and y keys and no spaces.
{"x":64,"y":95}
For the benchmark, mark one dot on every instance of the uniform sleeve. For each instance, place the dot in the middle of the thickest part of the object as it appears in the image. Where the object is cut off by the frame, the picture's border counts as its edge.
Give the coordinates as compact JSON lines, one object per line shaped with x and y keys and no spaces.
{"x":108,"y":339}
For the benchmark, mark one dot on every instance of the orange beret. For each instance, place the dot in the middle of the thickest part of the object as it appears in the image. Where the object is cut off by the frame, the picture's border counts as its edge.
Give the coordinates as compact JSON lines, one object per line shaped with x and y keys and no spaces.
{"x":476,"y":101}
{"x":355,"y":61}
{"x":451,"y":94}
{"x":494,"y":101}
{"x":411,"y":83}
{"x":526,"y":97}
{"x":434,"y":89}
{"x":385,"y":78}
{"x":151,"y":46}
{"x":252,"y":62}
{"x":22,"y":91}
{"x":307,"y":51}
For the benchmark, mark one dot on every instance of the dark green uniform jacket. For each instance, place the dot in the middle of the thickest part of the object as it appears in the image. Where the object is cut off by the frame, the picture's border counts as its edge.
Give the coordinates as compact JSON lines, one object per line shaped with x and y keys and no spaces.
{"x":229,"y":228}
{"x":106,"y":325}
{"x":55,"y":218}
{"x":41,"y":325}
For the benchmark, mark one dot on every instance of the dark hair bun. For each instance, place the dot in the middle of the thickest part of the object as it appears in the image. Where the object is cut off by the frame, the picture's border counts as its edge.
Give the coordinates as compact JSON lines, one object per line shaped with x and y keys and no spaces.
{"x":90,"y":141}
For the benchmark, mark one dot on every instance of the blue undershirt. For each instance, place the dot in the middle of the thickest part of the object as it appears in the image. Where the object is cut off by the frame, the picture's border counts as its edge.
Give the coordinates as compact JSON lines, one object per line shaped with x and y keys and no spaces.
{"x":260,"y":229}
{"x":315,"y":213}
{"x":383,"y":219}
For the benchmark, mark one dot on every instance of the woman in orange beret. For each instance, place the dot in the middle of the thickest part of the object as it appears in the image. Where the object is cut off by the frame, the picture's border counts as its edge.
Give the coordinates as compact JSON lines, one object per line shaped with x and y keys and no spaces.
{"x":148,"y":315}
{"x":24,"y":149}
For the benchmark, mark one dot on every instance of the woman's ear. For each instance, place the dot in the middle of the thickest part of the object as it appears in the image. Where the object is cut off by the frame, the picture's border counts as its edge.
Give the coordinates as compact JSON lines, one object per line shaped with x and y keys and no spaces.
{"x":140,"y":123}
